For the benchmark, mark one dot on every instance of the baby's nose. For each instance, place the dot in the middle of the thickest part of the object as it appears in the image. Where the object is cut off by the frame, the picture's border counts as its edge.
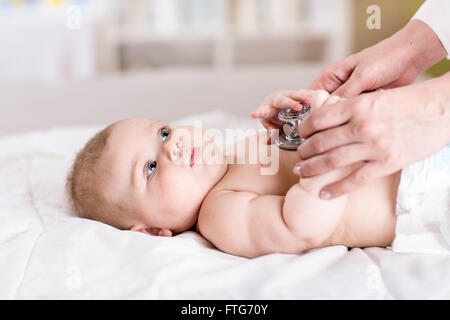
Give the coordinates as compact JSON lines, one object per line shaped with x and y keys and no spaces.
{"x":175,"y":150}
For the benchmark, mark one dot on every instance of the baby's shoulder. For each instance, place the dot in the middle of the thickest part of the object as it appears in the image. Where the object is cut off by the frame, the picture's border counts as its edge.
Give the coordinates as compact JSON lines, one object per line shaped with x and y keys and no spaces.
{"x":214,"y":205}
{"x":221,"y":219}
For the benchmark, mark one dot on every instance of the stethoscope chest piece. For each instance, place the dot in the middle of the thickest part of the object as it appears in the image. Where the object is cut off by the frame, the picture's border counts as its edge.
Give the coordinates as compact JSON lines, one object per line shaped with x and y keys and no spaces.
{"x":289,"y":139}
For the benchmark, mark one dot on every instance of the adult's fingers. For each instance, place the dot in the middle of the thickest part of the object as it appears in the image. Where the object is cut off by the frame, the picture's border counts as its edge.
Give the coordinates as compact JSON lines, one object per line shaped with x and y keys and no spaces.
{"x":324,"y":118}
{"x":368,"y":172}
{"x":352,"y":87}
{"x":334,"y":75}
{"x":326,"y":140}
{"x":333,"y":159}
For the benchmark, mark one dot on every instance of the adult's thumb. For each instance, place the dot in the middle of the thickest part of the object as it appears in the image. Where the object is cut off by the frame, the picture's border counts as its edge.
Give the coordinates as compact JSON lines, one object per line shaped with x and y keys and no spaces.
{"x":351,"y":88}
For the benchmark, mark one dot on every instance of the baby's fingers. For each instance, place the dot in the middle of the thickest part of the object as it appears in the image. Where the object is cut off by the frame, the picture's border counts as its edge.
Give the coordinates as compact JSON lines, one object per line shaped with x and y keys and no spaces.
{"x":282,"y":101}
{"x":262,"y":112}
{"x":270,"y":109}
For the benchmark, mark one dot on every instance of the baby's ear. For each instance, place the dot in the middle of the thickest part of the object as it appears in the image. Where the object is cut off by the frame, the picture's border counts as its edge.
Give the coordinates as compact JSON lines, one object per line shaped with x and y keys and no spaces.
{"x":152,"y":231}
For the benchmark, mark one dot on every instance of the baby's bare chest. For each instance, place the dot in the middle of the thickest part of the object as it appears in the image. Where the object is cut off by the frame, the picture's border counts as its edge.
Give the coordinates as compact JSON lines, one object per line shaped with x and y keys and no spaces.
{"x":266,"y":175}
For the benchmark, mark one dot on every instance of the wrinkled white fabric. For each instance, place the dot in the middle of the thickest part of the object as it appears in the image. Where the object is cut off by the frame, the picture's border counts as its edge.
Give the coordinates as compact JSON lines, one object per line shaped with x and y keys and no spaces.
{"x":423,"y":206}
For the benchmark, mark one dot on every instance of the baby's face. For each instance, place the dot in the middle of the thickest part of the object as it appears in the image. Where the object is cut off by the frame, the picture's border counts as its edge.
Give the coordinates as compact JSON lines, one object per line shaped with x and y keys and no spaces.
{"x":159,"y":173}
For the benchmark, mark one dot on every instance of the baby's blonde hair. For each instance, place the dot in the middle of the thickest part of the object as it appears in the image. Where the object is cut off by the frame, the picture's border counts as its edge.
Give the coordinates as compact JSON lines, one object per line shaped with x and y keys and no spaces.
{"x":83,"y":187}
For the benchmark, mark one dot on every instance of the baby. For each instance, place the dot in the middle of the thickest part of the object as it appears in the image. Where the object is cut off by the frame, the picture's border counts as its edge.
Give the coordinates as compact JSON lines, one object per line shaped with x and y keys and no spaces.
{"x":149,"y":177}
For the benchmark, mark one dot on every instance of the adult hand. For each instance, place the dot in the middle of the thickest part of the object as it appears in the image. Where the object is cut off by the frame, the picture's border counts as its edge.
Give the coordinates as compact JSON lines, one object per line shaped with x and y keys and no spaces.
{"x":384,"y":131}
{"x":394,"y":62}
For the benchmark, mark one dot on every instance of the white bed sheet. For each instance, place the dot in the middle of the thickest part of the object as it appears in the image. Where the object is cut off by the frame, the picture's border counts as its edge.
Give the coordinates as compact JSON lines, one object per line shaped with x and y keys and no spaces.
{"x":46,"y":253}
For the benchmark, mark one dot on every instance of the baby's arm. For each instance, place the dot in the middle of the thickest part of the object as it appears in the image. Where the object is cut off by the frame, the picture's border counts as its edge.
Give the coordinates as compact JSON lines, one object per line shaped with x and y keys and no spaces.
{"x":315,"y":219}
{"x":250,"y":225}
{"x":247,"y":224}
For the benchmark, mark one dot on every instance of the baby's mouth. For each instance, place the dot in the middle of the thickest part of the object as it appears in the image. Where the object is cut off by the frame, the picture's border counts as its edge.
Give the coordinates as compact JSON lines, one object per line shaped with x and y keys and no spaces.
{"x":192,"y":163}
{"x":195,"y":154}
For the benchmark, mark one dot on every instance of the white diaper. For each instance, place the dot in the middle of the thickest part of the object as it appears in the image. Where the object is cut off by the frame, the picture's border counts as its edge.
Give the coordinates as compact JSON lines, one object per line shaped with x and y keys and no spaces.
{"x":423,"y":206}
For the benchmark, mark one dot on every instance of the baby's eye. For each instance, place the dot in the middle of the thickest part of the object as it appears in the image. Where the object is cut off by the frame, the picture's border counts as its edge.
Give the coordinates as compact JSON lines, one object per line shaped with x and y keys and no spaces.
{"x":164,"y":133}
{"x":151,"y":166}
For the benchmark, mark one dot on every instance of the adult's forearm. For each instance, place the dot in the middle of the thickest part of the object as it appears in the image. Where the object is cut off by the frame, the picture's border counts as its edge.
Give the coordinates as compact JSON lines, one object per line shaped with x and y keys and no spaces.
{"x":444,"y":88}
{"x":423,"y":44}
{"x":436,"y":95}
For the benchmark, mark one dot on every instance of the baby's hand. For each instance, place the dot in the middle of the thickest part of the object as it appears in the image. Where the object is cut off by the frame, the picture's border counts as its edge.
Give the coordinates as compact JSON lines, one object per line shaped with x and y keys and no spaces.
{"x":271,"y":106}
{"x":268,"y":111}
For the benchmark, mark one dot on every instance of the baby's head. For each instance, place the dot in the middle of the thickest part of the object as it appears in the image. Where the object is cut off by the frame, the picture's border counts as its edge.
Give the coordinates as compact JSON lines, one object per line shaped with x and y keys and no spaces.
{"x":145,"y":176}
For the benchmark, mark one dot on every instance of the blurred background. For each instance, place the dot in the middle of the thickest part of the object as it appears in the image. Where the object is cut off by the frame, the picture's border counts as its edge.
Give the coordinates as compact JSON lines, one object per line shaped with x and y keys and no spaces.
{"x":82,"y":62}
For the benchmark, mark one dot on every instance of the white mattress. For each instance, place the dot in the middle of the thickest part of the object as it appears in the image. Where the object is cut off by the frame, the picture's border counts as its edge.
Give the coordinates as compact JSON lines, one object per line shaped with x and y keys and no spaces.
{"x":45,"y":252}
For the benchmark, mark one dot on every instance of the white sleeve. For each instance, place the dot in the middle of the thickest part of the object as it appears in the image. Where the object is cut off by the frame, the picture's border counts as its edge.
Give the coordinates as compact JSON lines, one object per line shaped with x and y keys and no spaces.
{"x":436,"y":14}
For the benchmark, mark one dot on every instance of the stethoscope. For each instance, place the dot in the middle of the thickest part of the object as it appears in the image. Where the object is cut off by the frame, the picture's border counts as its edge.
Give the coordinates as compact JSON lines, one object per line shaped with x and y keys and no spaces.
{"x":289,"y":139}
